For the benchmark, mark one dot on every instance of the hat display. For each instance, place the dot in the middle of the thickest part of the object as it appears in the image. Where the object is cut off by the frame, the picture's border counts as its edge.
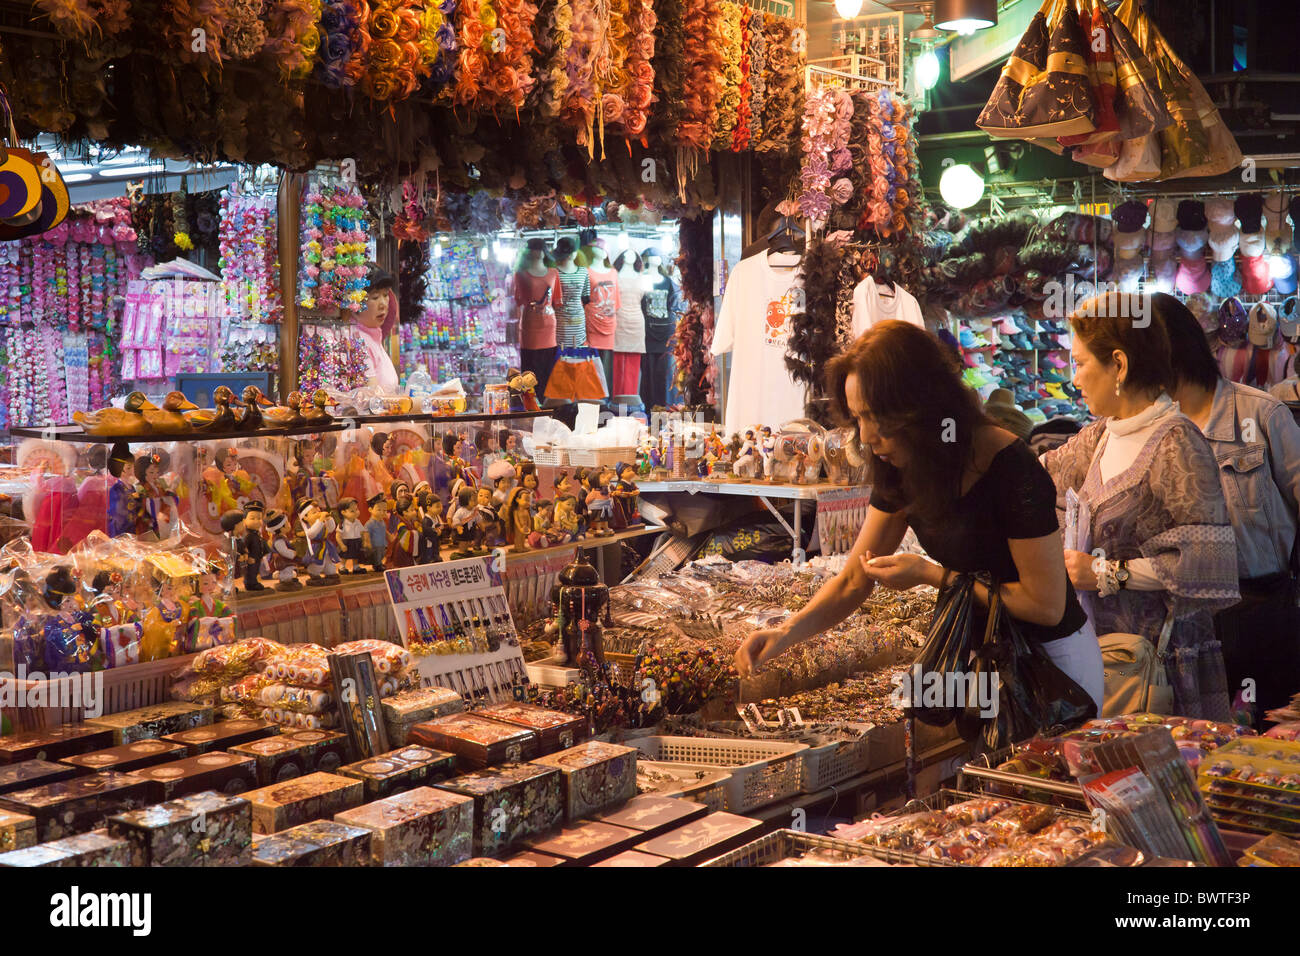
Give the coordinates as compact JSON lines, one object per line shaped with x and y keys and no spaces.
{"x":1127,"y":272}
{"x":1233,"y":322}
{"x":1193,"y":276}
{"x":1223,"y":241}
{"x":1001,"y":407}
{"x":1162,"y":242}
{"x":1164,"y":215}
{"x":1190,"y":242}
{"x":1224,"y":279}
{"x":1263,"y":325}
{"x":1191,"y":215}
{"x":1128,"y":245}
{"x":1129,"y":216}
{"x":1220,"y":210}
{"x":1250,"y":211}
{"x":1282,"y":269}
{"x":1255,"y":279}
{"x":1165,"y":271}
{"x":1200,"y":306}
{"x":1253,"y":243}
{"x":1288,"y":319}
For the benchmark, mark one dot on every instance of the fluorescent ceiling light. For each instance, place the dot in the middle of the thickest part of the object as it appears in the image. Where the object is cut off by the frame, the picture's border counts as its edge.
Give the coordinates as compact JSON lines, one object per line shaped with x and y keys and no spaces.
{"x":133,"y":171}
{"x":76,"y":177}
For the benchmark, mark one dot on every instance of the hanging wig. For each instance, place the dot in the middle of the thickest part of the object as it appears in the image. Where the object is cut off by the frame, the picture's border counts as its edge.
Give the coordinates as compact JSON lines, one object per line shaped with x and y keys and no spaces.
{"x":812,"y":331}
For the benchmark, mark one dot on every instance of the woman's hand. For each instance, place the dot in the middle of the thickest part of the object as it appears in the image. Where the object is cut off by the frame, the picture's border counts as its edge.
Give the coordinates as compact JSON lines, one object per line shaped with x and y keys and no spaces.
{"x":1078,"y":564}
{"x":901,"y":571}
{"x":759,"y":648}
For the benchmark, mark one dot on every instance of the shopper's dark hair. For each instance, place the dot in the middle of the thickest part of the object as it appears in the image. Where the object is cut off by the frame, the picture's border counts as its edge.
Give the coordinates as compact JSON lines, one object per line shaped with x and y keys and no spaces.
{"x":1189,"y":350}
{"x":911,"y":383}
{"x":1122,"y":322}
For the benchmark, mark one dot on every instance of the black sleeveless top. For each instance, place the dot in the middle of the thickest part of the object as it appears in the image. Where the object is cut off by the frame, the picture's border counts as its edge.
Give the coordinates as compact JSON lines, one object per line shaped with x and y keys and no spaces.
{"x":1015,"y":498}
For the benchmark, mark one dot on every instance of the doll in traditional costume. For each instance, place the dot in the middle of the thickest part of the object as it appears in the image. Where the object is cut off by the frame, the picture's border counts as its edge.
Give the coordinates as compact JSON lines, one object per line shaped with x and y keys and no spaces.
{"x":404,"y":544}
{"x":156,"y":506}
{"x":464,"y":520}
{"x":431,"y":529}
{"x":283,"y":558}
{"x":565,"y":528}
{"x":625,"y":494}
{"x":600,"y":507}
{"x":318,"y":527}
{"x":543,"y":525}
{"x":399,"y":497}
{"x":252,"y":547}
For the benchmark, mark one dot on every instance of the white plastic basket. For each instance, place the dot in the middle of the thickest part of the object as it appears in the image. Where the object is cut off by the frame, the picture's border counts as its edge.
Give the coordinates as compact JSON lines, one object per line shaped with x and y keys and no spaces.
{"x":834,"y":763}
{"x":694,"y":782}
{"x":551,"y":457}
{"x":600,"y":457}
{"x":762,"y":771}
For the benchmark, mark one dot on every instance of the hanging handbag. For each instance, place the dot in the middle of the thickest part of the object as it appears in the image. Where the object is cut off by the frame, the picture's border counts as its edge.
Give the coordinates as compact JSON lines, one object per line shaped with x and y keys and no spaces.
{"x":1043,"y":90}
{"x":1135,"y":678}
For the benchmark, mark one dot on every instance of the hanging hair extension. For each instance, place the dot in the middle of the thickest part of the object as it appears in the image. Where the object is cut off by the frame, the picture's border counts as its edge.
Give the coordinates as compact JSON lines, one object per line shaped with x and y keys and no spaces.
{"x":694,"y":336}
{"x":812,"y":332}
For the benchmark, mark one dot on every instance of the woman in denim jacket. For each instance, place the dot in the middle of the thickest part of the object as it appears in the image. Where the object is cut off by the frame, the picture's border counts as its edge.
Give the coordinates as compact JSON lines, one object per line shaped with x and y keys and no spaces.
{"x":1257,"y":445}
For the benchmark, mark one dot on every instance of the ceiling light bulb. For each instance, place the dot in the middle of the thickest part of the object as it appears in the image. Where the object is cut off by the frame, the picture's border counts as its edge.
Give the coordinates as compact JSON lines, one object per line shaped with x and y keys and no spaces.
{"x":960,"y":186}
{"x":927,"y":69}
{"x":848,"y":9}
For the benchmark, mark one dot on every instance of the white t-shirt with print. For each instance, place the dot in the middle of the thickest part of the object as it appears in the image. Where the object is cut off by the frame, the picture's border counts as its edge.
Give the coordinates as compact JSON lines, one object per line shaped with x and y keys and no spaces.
{"x":754,"y":325}
{"x":870,"y":306}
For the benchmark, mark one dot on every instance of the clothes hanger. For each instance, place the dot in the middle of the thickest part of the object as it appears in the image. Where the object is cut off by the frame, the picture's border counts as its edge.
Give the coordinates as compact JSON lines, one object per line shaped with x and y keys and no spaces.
{"x":784,"y":238}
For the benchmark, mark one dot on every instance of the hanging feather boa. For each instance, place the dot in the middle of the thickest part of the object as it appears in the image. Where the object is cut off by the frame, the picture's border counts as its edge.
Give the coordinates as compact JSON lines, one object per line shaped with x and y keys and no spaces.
{"x":812,"y":332}
{"x":669,"y":67}
{"x":703,"y":68}
{"x":694,"y":336}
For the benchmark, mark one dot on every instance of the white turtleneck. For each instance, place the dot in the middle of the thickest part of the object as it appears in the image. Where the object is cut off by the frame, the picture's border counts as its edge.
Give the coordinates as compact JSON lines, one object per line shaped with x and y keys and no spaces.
{"x":1125,"y":439}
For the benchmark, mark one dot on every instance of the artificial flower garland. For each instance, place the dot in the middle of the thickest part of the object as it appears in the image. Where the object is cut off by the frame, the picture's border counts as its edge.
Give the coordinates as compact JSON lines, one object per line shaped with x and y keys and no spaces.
{"x":581,"y":92}
{"x":757,"y":75}
{"x":293,"y":36}
{"x":344,"y":41}
{"x":555,"y":73}
{"x":731,"y":51}
{"x":437,"y":42}
{"x":703,"y":69}
{"x":245,"y":34}
{"x":783,"y":85}
{"x":85,"y":20}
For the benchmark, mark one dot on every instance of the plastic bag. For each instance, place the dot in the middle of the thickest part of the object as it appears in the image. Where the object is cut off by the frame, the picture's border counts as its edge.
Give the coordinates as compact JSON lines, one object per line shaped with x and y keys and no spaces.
{"x":388,"y":658}
{"x":948,"y":645}
{"x":230,"y":661}
{"x":306,"y":665}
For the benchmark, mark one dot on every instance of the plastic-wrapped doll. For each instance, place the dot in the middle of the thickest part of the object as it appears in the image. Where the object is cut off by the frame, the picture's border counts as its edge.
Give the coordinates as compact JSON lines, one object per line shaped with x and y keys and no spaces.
{"x":283,"y":559}
{"x":155,"y":505}
{"x":565,"y":528}
{"x":358,"y":479}
{"x":118,"y":624}
{"x":600,"y":506}
{"x":625,"y":495}
{"x":501,"y":477}
{"x":55,"y":513}
{"x":70,"y":636}
{"x":210,"y":622}
{"x":321,"y":561}
{"x":543,"y":523}
{"x":376,"y":531}
{"x":509,"y":444}
{"x":164,"y":622}
{"x":489,"y":450}
{"x":404,"y":544}
{"x":350,"y":533}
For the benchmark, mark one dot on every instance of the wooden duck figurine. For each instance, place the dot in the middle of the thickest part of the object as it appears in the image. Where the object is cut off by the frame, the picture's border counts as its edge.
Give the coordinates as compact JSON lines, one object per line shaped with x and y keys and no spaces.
{"x":117,"y":422}
{"x":313,"y":411}
{"x":253,"y":418}
{"x":220,"y":418}
{"x":170,"y":419}
{"x":287,"y":415}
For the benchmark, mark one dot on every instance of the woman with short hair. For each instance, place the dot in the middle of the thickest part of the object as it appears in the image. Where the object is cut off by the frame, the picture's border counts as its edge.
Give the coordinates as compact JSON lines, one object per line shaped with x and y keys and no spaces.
{"x":1156,"y":543}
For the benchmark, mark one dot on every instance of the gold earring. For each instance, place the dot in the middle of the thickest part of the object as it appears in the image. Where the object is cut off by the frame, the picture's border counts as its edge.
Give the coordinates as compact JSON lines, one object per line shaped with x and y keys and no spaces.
{"x":1118,"y":384}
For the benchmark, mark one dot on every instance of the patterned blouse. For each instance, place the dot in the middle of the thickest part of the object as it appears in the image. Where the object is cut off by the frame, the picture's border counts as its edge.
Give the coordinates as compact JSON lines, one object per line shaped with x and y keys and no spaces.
{"x":1168,"y":507}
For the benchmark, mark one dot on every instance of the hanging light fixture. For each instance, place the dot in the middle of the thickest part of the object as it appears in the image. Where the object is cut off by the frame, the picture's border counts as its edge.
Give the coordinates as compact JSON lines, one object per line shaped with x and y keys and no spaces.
{"x":927,"y":69}
{"x":960,"y":186}
{"x":848,"y":9}
{"x":926,"y":34}
{"x":965,"y":16}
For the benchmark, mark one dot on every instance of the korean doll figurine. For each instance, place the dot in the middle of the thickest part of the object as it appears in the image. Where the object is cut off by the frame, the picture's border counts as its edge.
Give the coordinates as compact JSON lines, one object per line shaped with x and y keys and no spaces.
{"x":543,"y":526}
{"x":501,"y":477}
{"x":116,"y":621}
{"x":363,"y":474}
{"x":625,"y":495}
{"x":464,"y":521}
{"x":404,"y":543}
{"x":399,"y":497}
{"x":522,"y":390}
{"x":485,"y":508}
{"x":321,"y":559}
{"x":375,"y":537}
{"x":232,"y":523}
{"x":600,"y":507}
{"x":449,"y":464}
{"x":165,"y":620}
{"x":70,"y":637}
{"x":518,"y":518}
{"x":508,"y":442}
{"x":489,"y":449}
{"x":227,"y":483}
{"x":252,"y":547}
{"x":643,"y":462}
{"x":283,"y":559}
{"x":350,"y":534}
{"x":527,"y":475}
{"x":156,"y":506}
{"x":431,"y":526}
{"x":565,"y":528}
{"x":562,"y":485}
